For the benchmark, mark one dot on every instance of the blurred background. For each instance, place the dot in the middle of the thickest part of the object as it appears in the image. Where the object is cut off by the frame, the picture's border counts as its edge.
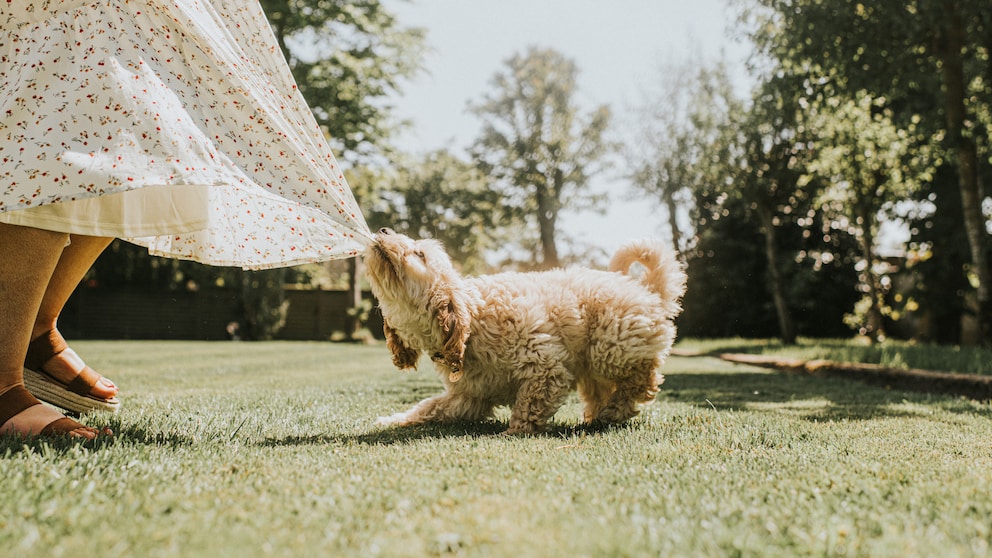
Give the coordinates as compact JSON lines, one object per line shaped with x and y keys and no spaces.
{"x":819,"y":164}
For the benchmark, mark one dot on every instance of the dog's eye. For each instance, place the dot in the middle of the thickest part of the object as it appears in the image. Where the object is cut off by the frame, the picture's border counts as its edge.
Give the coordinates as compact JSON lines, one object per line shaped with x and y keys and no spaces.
{"x":420,"y":254}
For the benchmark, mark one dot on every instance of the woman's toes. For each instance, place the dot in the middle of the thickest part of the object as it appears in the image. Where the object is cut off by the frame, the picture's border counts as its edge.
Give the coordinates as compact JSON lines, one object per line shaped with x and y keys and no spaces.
{"x":104,"y":389}
{"x":84,"y":432}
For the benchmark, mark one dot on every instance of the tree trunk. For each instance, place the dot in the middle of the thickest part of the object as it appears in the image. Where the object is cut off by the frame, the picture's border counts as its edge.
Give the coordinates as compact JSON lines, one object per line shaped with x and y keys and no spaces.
{"x":965,"y":150}
{"x":786,"y":325}
{"x":669,"y":200}
{"x":874,"y":324}
{"x":546,"y":217}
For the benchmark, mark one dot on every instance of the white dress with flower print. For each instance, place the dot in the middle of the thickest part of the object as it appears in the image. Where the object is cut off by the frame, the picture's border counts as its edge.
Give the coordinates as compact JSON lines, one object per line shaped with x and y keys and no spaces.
{"x":174,"y":124}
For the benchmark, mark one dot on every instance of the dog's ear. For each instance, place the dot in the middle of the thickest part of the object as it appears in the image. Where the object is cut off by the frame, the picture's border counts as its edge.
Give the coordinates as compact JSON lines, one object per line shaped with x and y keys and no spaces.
{"x":403,"y":356}
{"x":453,"y":317}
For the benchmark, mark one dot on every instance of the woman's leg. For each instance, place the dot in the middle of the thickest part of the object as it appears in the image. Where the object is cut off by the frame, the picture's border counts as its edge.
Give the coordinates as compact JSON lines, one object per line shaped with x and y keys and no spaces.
{"x":29,"y":258}
{"x":75,"y":261}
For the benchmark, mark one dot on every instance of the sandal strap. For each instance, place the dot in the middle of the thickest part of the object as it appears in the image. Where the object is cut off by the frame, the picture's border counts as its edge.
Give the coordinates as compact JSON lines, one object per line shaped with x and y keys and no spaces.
{"x":43,"y":348}
{"x":49,"y":344}
{"x":18,"y":398}
{"x":84,"y":382}
{"x":15,"y":400}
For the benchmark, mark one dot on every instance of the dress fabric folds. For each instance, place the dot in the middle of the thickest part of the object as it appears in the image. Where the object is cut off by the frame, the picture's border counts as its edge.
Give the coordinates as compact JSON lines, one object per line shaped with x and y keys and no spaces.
{"x":173,"y":124}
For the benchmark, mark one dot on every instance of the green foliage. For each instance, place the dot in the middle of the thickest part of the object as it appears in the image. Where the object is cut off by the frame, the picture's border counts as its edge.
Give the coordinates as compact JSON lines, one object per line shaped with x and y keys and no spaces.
{"x":766,"y":152}
{"x":361,"y":315}
{"x":349,"y":59}
{"x":128,"y":265}
{"x":865,"y":155}
{"x":678,"y":148}
{"x":439,"y":196}
{"x":760,"y":260}
{"x":270,"y":449}
{"x":869,"y":164}
{"x":264,"y":304}
{"x":728,"y":291}
{"x":903,"y":89}
{"x":537,"y":149}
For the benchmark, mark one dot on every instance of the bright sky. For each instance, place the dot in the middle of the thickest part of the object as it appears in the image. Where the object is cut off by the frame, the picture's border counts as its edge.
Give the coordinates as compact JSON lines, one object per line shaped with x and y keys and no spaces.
{"x":619,"y":47}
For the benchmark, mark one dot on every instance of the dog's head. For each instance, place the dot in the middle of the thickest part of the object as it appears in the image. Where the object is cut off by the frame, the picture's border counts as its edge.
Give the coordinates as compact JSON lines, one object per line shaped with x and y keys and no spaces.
{"x":412,"y":278}
{"x":400,"y":268}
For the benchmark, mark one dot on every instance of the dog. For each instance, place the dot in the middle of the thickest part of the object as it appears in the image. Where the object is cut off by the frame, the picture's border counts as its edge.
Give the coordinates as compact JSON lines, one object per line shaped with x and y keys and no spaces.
{"x":527,"y":339}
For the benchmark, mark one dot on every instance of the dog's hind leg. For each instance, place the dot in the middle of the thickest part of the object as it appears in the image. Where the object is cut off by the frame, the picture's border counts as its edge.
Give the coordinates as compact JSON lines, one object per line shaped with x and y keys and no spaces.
{"x":633,"y":390}
{"x":594,"y":393}
{"x":538,"y":398}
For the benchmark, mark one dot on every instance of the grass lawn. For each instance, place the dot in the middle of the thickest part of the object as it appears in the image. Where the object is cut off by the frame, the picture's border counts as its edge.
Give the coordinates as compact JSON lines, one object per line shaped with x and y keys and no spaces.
{"x":259,"y":449}
{"x":891,"y":353}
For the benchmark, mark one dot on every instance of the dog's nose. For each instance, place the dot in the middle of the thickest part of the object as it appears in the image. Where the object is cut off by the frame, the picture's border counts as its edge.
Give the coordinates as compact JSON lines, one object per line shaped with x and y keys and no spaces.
{"x":385,"y":230}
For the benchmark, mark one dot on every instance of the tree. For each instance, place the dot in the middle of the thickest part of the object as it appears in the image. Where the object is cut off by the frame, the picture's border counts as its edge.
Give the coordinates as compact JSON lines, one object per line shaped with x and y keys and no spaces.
{"x":870,"y":164}
{"x":349,"y":58}
{"x":727,"y":294}
{"x":440,"y":196}
{"x":909,"y":53}
{"x":538,"y":150}
{"x":766,"y":174}
{"x":699,"y":137}
{"x":957,"y":19}
{"x":678,"y":128}
{"x":756,"y":261}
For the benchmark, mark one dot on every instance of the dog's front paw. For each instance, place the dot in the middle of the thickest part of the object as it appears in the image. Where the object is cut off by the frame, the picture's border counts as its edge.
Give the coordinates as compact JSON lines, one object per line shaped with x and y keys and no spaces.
{"x":399,"y":419}
{"x":524,"y":429}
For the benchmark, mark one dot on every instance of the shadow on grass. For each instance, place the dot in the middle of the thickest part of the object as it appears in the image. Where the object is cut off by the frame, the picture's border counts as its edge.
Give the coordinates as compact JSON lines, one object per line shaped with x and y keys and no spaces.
{"x":61,"y":445}
{"x":11,"y":445}
{"x":409,"y":434}
{"x":759,"y":391}
{"x":151,"y":437}
{"x":397,"y":435}
{"x":819,"y":399}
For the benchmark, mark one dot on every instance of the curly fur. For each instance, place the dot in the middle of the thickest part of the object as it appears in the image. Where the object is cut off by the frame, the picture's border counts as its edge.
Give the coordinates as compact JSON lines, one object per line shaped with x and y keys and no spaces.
{"x":528,"y":339}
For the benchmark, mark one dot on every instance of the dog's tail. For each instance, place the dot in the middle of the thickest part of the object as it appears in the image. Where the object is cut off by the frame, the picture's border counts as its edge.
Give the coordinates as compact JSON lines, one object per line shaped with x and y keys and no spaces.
{"x":663,"y":272}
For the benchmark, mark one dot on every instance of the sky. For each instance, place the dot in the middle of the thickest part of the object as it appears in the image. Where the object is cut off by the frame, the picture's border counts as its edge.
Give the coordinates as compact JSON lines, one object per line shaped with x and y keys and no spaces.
{"x":618,"y":46}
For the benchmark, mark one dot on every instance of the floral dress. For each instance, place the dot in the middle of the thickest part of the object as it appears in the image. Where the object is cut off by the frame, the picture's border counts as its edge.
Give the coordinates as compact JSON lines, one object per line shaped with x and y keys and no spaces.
{"x":174,"y":124}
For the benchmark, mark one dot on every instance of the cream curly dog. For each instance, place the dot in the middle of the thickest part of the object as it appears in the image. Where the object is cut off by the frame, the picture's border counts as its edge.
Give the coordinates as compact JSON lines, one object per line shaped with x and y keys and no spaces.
{"x":527,"y":339}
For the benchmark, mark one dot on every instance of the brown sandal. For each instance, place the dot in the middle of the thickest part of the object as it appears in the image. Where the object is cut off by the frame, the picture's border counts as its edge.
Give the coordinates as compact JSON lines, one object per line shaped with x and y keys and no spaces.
{"x":18,"y":399}
{"x":73,"y":396}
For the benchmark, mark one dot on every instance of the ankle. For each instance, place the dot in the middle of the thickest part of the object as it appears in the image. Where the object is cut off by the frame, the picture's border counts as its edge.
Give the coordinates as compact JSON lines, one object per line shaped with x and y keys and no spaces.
{"x":11,"y":380}
{"x":41,"y":327}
